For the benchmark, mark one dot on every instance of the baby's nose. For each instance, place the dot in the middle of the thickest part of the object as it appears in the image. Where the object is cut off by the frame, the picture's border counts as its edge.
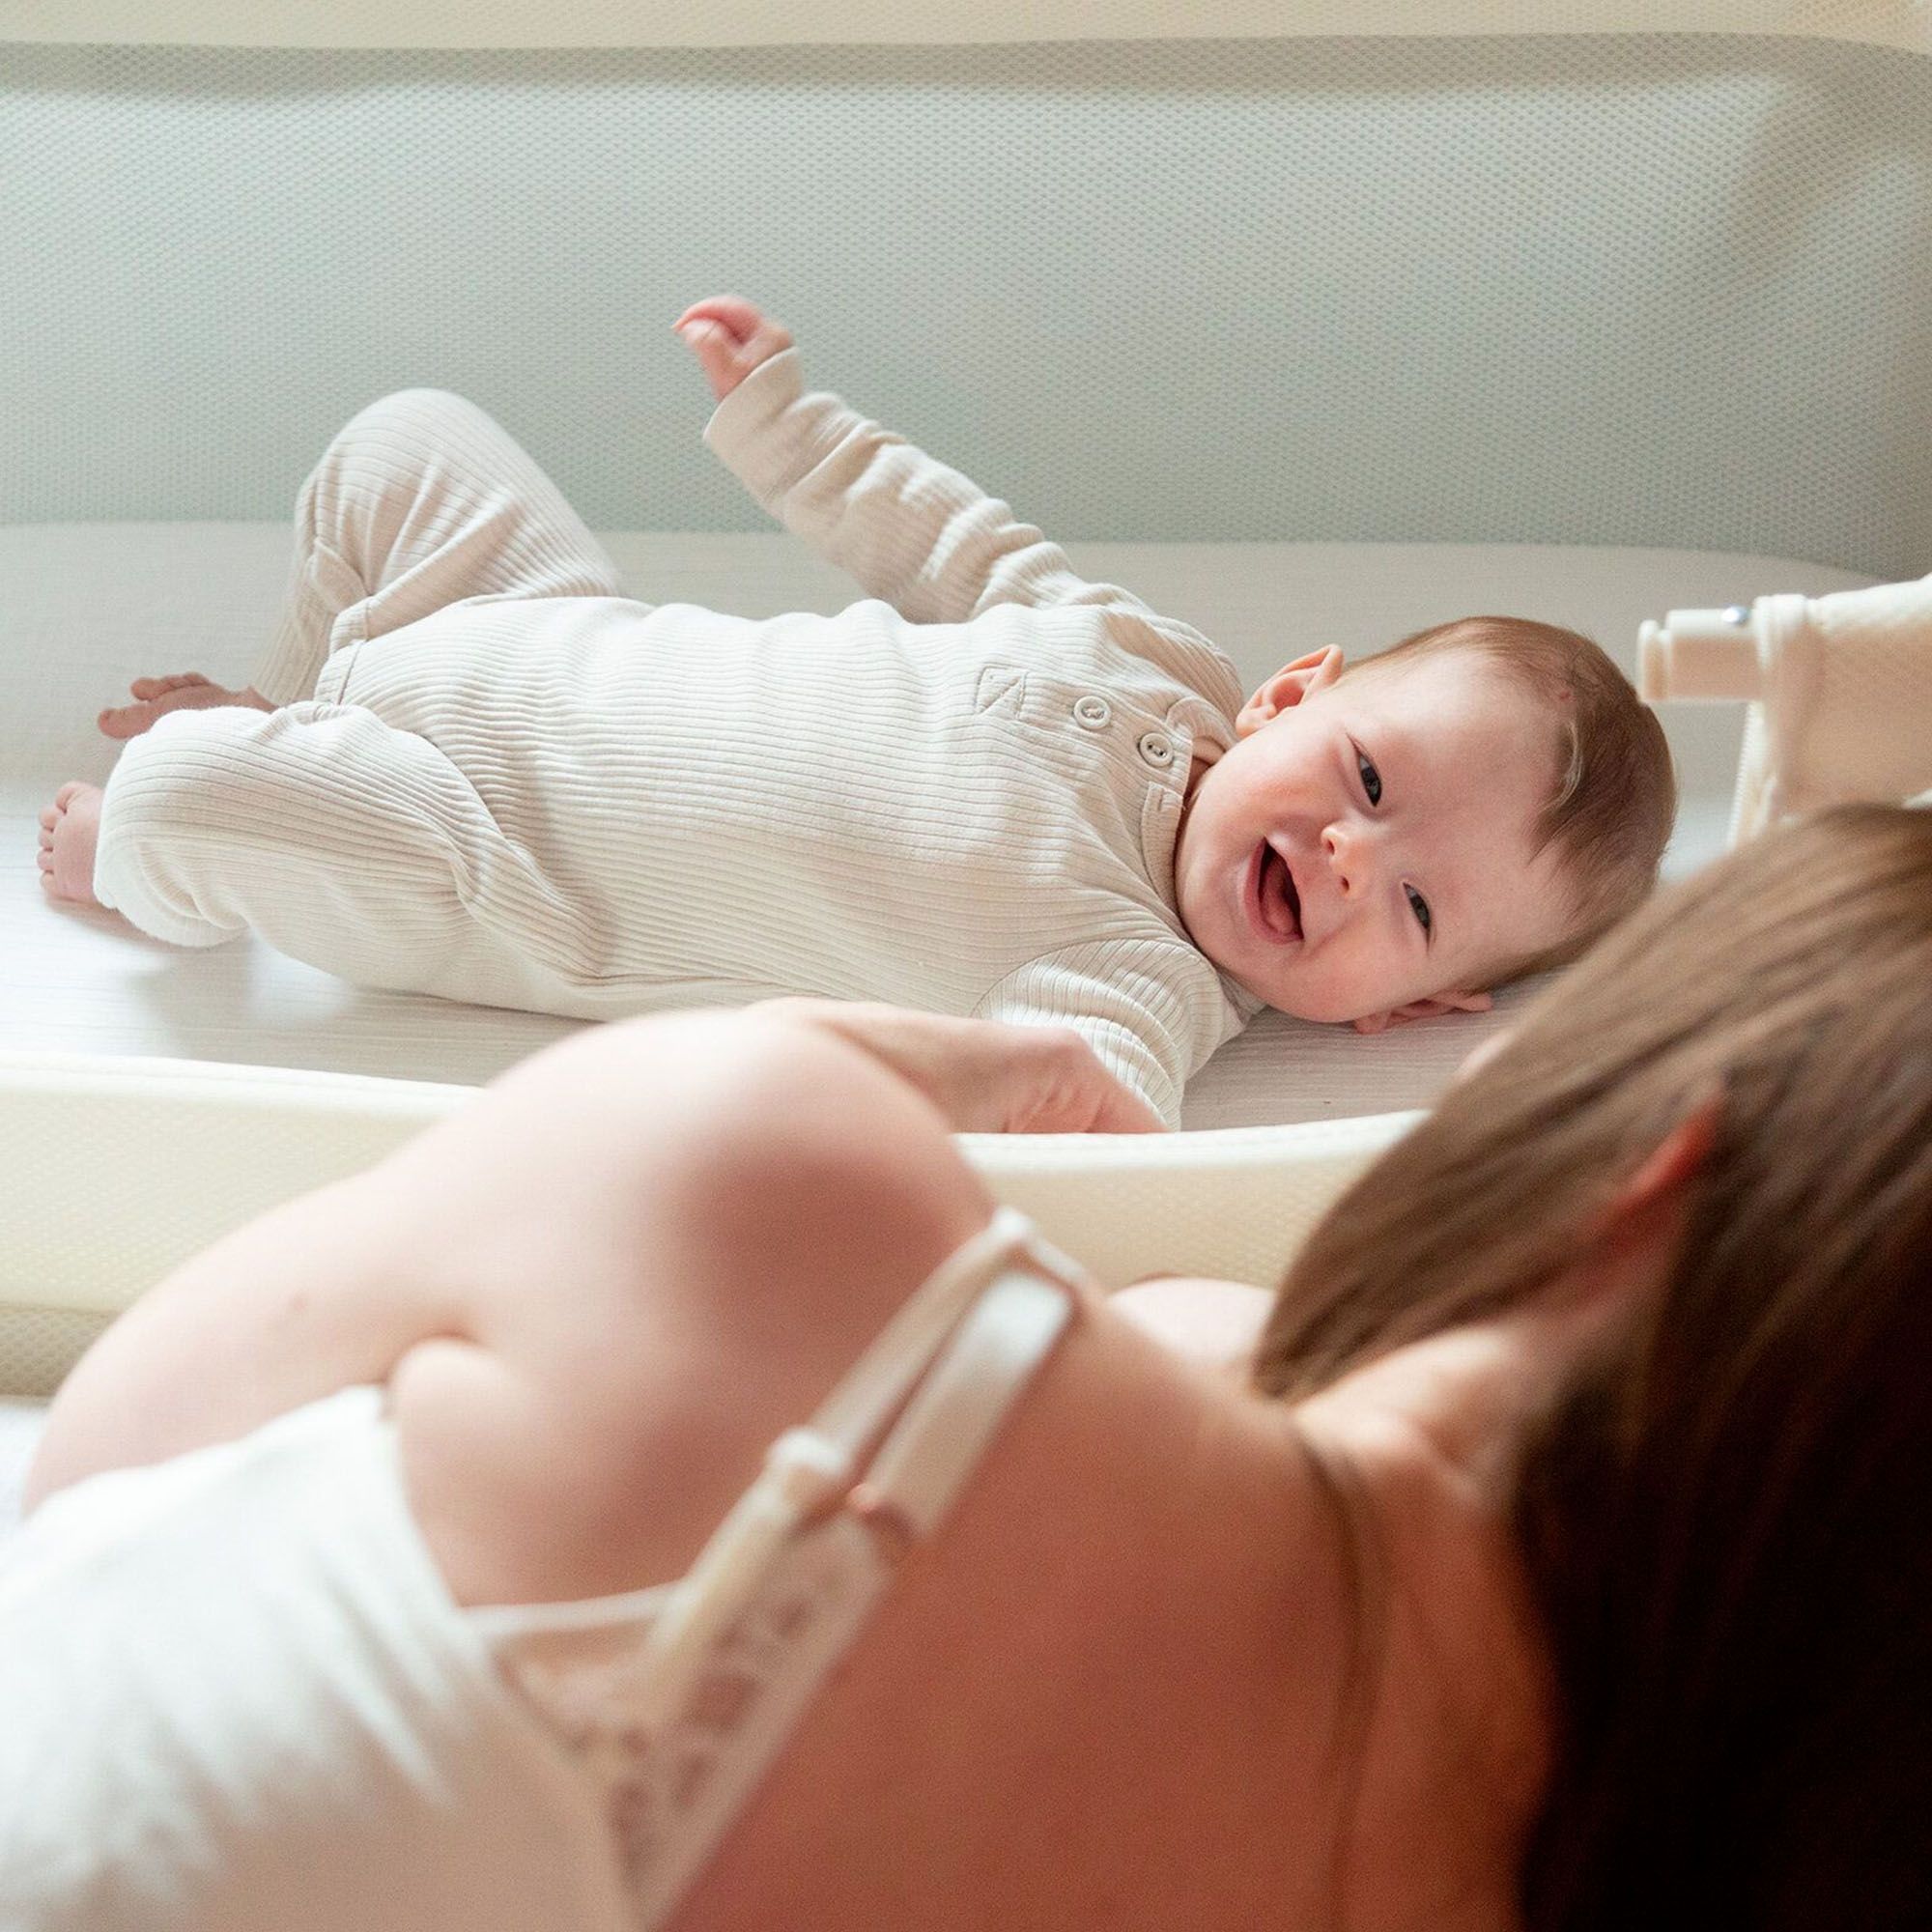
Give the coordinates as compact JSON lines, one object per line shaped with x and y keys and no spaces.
{"x":1347,"y":859}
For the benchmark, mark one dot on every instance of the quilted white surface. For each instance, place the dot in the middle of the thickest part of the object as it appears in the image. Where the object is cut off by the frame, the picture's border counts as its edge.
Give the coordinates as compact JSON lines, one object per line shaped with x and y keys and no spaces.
{"x":84,"y":608}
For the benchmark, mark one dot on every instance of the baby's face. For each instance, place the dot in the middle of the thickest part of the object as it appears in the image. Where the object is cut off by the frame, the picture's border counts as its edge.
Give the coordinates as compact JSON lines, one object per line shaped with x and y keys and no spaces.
{"x":1367,"y":841}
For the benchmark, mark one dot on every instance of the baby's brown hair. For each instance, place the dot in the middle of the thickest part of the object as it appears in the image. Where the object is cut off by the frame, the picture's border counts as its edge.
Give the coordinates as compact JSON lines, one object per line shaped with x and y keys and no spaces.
{"x":1610,"y":814}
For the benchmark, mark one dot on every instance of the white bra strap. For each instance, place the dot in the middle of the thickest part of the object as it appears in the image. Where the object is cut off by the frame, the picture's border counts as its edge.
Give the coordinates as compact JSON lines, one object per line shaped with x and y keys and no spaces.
{"x":926,"y":1458}
{"x":811,"y":1470}
{"x":947,"y":1425}
{"x":900,"y":1354}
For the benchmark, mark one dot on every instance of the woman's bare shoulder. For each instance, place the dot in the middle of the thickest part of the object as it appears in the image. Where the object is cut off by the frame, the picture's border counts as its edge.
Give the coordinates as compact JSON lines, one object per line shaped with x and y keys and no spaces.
{"x":683,"y":1269}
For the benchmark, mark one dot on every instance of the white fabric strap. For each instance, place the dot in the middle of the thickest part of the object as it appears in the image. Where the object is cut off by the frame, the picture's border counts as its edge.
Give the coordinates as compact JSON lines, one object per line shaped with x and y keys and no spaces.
{"x":837,"y":1568}
{"x":809,"y":1471}
{"x":791,"y":1576}
{"x":975,"y":1368}
{"x":879,"y":1382}
{"x":946,"y":1428}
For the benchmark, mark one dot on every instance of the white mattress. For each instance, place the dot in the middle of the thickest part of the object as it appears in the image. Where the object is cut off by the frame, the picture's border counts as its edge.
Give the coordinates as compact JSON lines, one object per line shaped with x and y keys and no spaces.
{"x":84,"y":608}
{"x":161,"y":1099}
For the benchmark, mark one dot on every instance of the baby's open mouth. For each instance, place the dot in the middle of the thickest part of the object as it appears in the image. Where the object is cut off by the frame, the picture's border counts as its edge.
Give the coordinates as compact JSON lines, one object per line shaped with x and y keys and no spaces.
{"x":1276,"y":901}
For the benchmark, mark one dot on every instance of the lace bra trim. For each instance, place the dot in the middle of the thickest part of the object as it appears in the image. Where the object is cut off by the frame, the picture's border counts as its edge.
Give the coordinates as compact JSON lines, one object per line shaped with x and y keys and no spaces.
{"x":674,"y":1700}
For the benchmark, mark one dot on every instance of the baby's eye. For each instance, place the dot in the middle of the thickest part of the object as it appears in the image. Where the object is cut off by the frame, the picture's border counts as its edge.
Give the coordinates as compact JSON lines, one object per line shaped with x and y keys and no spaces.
{"x":1371,"y":780}
{"x":1419,"y":906}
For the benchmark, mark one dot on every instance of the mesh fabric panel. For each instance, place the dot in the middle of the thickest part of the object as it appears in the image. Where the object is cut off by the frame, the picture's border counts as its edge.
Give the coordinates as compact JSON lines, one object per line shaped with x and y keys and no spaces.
{"x":39,"y":1345}
{"x":1591,"y":289}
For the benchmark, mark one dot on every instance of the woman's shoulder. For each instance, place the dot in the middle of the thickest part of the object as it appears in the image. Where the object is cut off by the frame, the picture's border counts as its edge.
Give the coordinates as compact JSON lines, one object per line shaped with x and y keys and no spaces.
{"x":711,"y":1264}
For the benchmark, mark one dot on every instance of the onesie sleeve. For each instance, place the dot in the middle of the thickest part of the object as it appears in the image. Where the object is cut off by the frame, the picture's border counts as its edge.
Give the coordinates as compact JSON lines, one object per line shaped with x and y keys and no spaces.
{"x":1152,"y":1011}
{"x":909,"y":529}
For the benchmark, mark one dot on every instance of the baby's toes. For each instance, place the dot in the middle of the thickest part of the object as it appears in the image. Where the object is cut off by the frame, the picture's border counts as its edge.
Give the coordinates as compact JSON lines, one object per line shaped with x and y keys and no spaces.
{"x":127,"y":721}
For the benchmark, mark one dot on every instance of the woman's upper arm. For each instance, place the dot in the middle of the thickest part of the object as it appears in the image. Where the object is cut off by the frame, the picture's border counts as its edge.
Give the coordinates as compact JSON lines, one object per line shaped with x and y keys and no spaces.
{"x":630,"y":1254}
{"x":315,"y":1295}
{"x":1216,"y":1324}
{"x":726,"y":1211}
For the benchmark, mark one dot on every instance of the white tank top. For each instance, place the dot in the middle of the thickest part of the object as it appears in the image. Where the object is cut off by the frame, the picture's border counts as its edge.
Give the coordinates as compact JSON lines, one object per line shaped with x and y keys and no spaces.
{"x":236,"y":1693}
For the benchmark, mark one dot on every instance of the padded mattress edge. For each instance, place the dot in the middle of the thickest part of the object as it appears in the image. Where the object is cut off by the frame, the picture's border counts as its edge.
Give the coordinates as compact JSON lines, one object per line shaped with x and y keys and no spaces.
{"x":113,"y":1171}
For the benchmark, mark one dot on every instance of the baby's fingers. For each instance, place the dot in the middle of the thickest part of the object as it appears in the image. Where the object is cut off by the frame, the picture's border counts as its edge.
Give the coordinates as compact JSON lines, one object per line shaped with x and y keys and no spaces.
{"x":731,"y":337}
{"x":740,"y":319}
{"x":717,"y":355}
{"x":1063,"y":1087}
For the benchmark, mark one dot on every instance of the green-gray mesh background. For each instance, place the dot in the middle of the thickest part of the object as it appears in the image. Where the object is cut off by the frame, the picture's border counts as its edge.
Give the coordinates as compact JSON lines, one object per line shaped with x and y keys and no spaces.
{"x":1648,"y":290}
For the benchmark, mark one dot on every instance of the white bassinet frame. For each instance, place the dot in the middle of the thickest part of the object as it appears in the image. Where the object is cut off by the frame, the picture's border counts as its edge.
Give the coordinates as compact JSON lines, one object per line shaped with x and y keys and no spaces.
{"x":1905,"y":24}
{"x":123,"y":1158}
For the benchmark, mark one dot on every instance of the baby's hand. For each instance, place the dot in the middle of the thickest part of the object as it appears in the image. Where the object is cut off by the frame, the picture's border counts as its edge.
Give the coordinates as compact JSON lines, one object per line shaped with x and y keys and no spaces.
{"x":731,"y":337}
{"x":985,"y":1076}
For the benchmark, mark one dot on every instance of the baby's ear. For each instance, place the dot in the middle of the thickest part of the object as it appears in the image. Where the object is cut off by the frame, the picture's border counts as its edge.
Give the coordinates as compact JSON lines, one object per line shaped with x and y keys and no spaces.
{"x":1425,"y":1009}
{"x":1287,"y":687}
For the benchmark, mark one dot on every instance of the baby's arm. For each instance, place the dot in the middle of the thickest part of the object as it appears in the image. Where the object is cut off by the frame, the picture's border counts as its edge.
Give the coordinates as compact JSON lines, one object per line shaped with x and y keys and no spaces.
{"x":1130,"y":1001}
{"x":908,"y":529}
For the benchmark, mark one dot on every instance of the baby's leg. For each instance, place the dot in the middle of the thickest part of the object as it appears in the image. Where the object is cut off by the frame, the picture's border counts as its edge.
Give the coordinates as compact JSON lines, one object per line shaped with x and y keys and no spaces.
{"x":420,"y":502}
{"x":343,"y":843}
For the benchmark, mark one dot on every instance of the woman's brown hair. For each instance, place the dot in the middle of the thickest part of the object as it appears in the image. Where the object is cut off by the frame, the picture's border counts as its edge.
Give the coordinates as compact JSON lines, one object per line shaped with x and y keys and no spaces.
{"x":1726,"y":1513}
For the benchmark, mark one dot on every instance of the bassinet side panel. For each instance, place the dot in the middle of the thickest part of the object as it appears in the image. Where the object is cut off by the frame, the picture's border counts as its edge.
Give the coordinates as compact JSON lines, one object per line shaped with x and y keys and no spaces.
{"x":1661,"y":289}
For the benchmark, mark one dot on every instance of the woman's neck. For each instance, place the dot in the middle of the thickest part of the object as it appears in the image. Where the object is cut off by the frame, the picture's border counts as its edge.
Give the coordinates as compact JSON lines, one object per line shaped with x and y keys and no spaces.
{"x":1129,"y":1683}
{"x":1331,"y":1632}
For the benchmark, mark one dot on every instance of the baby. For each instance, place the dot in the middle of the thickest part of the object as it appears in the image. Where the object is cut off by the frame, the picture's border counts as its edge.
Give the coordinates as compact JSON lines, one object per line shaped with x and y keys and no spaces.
{"x":469,"y":765}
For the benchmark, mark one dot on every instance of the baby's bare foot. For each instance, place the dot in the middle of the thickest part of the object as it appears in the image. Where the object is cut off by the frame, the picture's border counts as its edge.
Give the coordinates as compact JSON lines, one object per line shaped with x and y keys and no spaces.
{"x":69,"y":830}
{"x":185,"y":690}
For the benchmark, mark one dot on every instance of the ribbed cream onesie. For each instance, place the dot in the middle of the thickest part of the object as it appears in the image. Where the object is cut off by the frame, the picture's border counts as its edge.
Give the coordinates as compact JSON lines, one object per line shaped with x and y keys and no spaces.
{"x":495,"y":779}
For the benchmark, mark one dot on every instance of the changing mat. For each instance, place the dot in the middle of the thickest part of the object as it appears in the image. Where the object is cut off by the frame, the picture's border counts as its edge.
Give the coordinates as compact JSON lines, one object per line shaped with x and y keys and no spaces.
{"x":84,"y":608}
